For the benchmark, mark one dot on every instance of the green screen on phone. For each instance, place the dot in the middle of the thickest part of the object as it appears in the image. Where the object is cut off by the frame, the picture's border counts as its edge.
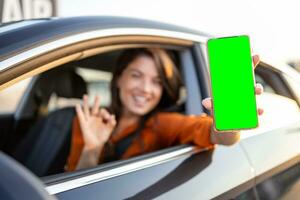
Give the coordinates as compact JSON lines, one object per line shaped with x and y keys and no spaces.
{"x":232,"y":82}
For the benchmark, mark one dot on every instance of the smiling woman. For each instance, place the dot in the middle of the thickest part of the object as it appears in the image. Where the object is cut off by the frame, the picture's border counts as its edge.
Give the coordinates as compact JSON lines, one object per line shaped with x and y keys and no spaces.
{"x":145,"y":81}
{"x":145,"y":84}
{"x":139,"y":85}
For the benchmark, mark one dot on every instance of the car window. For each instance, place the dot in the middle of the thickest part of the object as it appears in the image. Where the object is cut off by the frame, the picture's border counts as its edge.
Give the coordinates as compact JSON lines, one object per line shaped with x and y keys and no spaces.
{"x":48,"y":108}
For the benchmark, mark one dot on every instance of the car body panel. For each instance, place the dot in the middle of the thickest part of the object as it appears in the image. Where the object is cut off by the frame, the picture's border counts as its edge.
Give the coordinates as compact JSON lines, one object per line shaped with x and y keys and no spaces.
{"x":45,"y":36}
{"x":279,"y":146}
{"x":174,"y":179}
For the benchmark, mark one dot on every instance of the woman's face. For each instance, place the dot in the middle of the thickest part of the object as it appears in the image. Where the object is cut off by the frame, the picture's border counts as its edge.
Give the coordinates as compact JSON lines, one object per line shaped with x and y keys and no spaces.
{"x":140,"y":87}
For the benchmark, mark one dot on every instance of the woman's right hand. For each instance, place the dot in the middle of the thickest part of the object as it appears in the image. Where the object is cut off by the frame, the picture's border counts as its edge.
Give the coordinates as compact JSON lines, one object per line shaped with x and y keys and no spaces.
{"x":96,"y":124}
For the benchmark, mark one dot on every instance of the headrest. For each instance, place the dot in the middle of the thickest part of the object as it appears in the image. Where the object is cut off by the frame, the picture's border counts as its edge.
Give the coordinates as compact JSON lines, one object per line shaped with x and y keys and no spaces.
{"x":70,"y":85}
{"x":64,"y":83}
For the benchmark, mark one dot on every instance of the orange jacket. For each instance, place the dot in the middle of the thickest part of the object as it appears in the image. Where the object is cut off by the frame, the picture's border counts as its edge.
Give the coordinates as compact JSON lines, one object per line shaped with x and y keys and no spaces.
{"x":161,"y":130}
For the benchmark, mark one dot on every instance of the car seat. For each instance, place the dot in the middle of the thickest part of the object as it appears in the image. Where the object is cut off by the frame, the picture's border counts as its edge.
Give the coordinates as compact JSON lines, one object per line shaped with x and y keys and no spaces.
{"x":46,"y":147}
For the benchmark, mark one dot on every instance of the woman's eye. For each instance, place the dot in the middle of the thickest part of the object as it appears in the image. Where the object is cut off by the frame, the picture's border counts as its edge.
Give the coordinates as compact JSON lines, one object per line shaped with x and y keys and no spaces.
{"x":134,"y":75}
{"x":157,"y":82}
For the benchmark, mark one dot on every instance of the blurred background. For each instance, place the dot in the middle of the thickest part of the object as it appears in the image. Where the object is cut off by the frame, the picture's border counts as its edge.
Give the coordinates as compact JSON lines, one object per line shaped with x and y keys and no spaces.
{"x":271,"y":25}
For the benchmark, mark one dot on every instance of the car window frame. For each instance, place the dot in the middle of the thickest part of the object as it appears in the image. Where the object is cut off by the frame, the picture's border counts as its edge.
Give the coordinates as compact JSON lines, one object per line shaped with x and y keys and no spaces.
{"x":185,"y":55}
{"x":189,"y":149}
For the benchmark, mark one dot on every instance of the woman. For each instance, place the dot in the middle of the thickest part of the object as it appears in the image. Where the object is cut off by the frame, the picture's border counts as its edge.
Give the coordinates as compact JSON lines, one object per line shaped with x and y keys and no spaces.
{"x":145,"y":83}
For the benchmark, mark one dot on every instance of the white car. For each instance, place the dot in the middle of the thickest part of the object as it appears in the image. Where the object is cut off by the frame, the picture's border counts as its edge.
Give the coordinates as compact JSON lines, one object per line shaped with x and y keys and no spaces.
{"x":48,"y":64}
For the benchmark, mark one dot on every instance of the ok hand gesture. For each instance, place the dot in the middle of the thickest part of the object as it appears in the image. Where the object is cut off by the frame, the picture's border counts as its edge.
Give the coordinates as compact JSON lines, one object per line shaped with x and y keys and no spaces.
{"x":96,"y":124}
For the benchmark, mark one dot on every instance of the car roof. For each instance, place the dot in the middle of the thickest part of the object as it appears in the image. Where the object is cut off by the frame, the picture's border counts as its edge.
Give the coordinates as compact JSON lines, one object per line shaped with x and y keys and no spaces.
{"x":17,"y":36}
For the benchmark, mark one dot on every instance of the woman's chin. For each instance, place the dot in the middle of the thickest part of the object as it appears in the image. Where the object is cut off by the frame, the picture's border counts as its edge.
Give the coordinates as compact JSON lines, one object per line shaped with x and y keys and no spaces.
{"x":140,"y":111}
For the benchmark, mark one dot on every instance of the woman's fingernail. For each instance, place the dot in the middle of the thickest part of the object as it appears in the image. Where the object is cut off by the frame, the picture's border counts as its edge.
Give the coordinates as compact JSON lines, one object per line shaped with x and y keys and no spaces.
{"x":260,"y":111}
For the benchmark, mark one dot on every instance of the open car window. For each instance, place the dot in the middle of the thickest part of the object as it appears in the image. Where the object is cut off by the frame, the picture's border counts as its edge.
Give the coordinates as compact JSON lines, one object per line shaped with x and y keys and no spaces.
{"x":52,"y":97}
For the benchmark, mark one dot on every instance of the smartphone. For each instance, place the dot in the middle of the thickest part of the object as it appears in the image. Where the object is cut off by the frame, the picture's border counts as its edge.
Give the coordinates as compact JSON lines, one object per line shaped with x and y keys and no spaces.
{"x":232,"y":83}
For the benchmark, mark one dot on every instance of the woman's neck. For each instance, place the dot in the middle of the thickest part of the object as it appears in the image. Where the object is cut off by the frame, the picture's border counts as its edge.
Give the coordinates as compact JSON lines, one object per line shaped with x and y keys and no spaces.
{"x":126,"y":119}
{"x":129,"y":118}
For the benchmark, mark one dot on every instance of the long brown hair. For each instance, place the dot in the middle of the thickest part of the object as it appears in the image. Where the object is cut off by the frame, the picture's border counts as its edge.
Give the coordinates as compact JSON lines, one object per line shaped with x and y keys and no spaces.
{"x":167,"y":71}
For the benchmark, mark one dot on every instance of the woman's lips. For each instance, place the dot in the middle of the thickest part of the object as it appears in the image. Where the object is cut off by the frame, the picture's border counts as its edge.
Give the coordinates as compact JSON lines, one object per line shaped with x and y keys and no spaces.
{"x":140,"y":100}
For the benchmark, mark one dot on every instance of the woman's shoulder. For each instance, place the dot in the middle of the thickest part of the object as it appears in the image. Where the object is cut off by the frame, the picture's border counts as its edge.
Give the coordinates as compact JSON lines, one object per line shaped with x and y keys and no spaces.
{"x":177,"y":114}
{"x":173,"y":122}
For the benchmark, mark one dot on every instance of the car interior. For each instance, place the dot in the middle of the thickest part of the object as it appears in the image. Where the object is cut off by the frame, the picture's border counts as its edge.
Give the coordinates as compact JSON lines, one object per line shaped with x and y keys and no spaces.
{"x":38,"y":134}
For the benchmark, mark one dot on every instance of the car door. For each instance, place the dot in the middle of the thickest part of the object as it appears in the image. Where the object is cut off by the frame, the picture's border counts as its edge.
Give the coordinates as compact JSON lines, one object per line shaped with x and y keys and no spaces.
{"x":176,"y":173}
{"x":273,"y":148}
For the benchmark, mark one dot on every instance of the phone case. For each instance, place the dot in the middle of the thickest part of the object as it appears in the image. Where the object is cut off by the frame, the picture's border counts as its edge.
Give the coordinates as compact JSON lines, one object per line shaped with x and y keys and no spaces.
{"x":232,"y":83}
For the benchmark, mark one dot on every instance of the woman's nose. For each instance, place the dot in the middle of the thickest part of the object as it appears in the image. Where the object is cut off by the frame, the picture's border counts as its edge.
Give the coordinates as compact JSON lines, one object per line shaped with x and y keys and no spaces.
{"x":146,"y":86}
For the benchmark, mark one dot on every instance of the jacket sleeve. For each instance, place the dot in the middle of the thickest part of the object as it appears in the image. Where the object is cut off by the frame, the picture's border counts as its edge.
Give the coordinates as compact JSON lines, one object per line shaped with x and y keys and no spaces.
{"x":175,"y":128}
{"x":77,"y":144}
